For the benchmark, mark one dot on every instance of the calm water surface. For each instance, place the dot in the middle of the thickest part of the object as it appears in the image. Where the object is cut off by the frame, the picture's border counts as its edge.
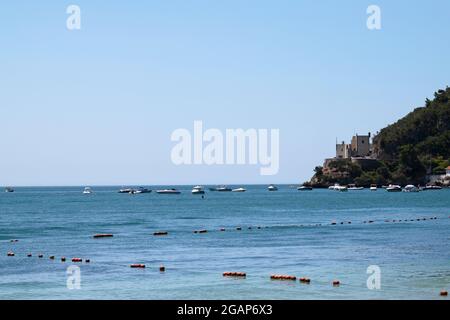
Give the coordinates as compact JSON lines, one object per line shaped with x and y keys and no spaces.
{"x":414,"y":256}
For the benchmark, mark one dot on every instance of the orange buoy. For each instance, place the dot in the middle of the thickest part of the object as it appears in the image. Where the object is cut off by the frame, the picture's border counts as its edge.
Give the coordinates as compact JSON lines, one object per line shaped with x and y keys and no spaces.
{"x":444,"y":293}
{"x":103,"y":235}
{"x":162,"y":268}
{"x":52,"y":257}
{"x":77,"y":260}
{"x":63,"y":259}
{"x":137,"y":266}
{"x":336,"y":283}
{"x":282,"y":277}
{"x":160,"y":233}
{"x":10,"y":254}
{"x":305,"y":280}
{"x":235,"y":274}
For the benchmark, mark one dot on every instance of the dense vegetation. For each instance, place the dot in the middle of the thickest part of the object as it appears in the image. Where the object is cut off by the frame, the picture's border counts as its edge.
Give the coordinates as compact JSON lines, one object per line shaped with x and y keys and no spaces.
{"x":406,"y":151}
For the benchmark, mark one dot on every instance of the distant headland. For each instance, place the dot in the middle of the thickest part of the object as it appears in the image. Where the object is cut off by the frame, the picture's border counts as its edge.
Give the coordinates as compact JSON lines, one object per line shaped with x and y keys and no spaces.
{"x":414,"y":150}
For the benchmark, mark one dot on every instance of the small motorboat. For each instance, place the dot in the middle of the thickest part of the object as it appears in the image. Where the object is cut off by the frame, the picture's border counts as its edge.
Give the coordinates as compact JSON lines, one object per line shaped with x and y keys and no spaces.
{"x":411,"y":188}
{"x":239,"y":190}
{"x":87,"y":190}
{"x":221,"y":189}
{"x":272,"y":188}
{"x":126,"y":190}
{"x":9,"y":189}
{"x":341,"y":188}
{"x":433,"y":187}
{"x":394,"y":188}
{"x":304,"y":188}
{"x":198,"y":190}
{"x":373,"y":187}
{"x":335,"y":187}
{"x":140,"y":190}
{"x":168,"y":191}
{"x":353,"y":187}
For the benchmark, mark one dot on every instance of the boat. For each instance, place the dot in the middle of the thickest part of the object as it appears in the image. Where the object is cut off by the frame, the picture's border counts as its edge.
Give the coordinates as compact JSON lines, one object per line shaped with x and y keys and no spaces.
{"x":87,"y":190}
{"x":140,"y":190}
{"x":239,"y":190}
{"x":373,"y":187}
{"x":221,"y":189}
{"x":304,"y":188}
{"x":272,"y":188}
{"x":198,"y":190}
{"x":428,"y":188}
{"x":393,"y":188}
{"x":353,"y":187}
{"x":341,"y":188}
{"x":411,"y":188}
{"x":9,"y":189}
{"x":126,"y":190}
{"x":168,"y":191}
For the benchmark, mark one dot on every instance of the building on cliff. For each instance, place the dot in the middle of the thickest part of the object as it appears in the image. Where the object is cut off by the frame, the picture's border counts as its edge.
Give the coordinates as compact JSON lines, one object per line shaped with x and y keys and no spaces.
{"x":359,"y":147}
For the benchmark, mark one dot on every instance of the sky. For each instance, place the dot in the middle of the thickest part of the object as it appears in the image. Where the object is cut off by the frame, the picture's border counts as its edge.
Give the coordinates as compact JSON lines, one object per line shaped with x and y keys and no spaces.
{"x":97,"y":106}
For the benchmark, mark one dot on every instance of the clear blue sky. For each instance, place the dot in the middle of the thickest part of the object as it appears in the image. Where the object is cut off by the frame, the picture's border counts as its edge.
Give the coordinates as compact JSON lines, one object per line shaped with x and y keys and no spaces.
{"x":98,"y":105}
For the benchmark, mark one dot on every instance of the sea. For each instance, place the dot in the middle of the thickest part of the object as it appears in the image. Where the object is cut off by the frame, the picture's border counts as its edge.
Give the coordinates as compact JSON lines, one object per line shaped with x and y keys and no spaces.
{"x":378,"y":245}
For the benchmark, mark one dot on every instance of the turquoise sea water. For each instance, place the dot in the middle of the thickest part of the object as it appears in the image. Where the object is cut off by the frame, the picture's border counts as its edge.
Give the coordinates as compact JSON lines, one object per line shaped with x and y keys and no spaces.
{"x":414,"y":256}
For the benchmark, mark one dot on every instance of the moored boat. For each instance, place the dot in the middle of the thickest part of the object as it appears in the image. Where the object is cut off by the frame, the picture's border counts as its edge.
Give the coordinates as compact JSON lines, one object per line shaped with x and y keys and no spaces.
{"x":393,"y":188}
{"x":373,"y":187}
{"x":9,"y":189}
{"x":272,"y":188}
{"x":239,"y":190}
{"x":411,"y":188}
{"x":168,"y":191}
{"x":198,"y":190}
{"x":87,"y":190}
{"x":304,"y":188}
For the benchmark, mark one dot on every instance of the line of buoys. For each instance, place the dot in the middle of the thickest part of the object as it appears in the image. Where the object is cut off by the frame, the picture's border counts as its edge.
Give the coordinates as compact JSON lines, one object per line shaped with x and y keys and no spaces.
{"x":14,"y":240}
{"x":160,"y":233}
{"x":282,"y":277}
{"x":200,"y":231}
{"x":10,"y":254}
{"x":336,"y":283}
{"x":305,"y":280}
{"x":77,"y":260}
{"x":444,"y":293}
{"x":137,"y":266}
{"x":103,"y":235}
{"x":235,"y":274}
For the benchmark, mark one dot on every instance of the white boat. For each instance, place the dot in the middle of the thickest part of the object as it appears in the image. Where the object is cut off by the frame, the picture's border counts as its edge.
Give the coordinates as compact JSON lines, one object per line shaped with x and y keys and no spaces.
{"x":87,"y":190}
{"x":341,"y":188}
{"x":168,"y":191}
{"x":239,"y":190}
{"x":353,"y":187}
{"x":9,"y":189}
{"x":394,"y":188}
{"x":433,"y":187}
{"x":126,"y":190}
{"x":411,"y":188}
{"x":140,"y":190}
{"x":198,"y":190}
{"x":373,"y":187}
{"x":304,"y":188}
{"x":272,"y":188}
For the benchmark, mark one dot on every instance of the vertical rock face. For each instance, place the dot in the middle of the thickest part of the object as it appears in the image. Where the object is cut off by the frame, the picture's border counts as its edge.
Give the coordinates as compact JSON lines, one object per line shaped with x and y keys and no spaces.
{"x":406,"y":152}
